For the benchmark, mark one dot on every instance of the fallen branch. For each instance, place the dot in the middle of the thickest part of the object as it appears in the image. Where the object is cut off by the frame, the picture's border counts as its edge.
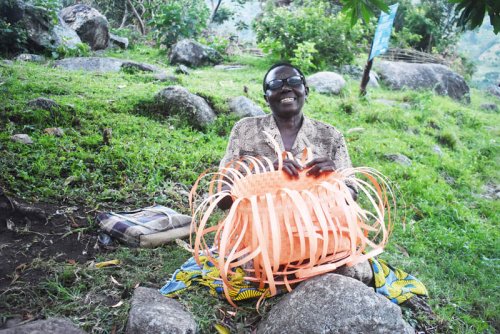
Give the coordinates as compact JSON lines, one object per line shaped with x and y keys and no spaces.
{"x":138,"y":17}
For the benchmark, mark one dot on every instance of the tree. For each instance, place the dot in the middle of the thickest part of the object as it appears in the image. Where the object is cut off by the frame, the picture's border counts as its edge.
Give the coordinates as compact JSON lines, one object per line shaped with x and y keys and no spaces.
{"x":471,"y":12}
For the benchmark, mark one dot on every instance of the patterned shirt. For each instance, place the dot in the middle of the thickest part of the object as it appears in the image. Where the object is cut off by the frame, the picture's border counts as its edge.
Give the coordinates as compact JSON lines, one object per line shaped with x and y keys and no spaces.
{"x":247,"y":138}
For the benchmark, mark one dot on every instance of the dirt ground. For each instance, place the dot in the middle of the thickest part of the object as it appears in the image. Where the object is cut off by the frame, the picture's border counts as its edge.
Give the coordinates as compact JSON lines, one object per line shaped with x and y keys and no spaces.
{"x":34,"y":232}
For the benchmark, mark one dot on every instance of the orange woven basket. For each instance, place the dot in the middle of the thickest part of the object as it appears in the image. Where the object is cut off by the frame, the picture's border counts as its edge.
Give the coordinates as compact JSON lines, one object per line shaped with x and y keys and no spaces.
{"x":283,"y":230}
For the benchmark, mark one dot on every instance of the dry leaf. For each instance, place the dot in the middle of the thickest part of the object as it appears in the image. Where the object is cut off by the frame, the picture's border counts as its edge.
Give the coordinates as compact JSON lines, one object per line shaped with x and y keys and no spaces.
{"x":402,"y":250}
{"x":115,"y":281}
{"x":107,"y":263}
{"x":120,"y":303}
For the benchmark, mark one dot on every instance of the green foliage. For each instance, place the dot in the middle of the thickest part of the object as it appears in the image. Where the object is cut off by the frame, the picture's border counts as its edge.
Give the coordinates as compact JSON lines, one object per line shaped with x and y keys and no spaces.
{"x":178,"y":19}
{"x":472,"y":13}
{"x":63,"y":51}
{"x":12,"y":36}
{"x":52,"y":6}
{"x":281,"y":30}
{"x":218,"y":43}
{"x":428,"y":26}
{"x":222,"y":15}
{"x":303,"y":56}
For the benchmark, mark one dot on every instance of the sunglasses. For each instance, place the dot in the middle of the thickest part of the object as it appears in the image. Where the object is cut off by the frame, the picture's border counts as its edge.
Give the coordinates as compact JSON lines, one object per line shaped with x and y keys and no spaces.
{"x":293,"y":81}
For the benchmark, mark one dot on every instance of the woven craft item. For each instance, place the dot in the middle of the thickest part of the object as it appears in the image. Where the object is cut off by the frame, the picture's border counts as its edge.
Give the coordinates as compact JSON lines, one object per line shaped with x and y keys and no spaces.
{"x":283,"y":230}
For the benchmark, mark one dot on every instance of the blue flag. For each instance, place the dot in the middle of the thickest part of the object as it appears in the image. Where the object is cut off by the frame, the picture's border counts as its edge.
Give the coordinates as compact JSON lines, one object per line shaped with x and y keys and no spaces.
{"x":383,"y":32}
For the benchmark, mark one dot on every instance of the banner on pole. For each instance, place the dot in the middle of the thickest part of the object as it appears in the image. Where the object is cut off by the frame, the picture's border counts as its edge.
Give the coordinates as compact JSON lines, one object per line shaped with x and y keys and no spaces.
{"x":383,"y":32}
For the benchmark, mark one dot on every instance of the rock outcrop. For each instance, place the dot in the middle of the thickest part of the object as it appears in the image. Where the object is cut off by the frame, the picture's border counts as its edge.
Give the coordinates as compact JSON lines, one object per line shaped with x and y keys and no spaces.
{"x":177,"y":100}
{"x":42,"y":34}
{"x":334,"y":304}
{"x":441,"y":79}
{"x":244,"y":107}
{"x":326,"y":82}
{"x":193,"y":54}
{"x":89,"y":24}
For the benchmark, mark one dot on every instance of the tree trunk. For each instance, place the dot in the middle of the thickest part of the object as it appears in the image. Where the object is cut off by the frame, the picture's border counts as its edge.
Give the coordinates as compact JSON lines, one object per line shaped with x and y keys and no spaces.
{"x":138,"y":17}
{"x":125,"y":14}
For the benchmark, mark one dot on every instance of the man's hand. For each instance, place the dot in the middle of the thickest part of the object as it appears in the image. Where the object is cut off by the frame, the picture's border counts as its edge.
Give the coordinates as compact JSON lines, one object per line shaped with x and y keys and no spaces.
{"x":320,"y":165}
{"x":291,"y":167}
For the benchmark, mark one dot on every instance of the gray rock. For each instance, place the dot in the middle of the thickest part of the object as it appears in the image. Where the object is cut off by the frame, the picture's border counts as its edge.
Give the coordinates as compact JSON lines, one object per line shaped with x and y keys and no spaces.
{"x":121,"y":42}
{"x":193,"y":54}
{"x":22,"y":138}
{"x":489,"y":107}
{"x":491,"y":191}
{"x":43,"y":103}
{"x":326,"y":82}
{"x":401,"y":159}
{"x":163,"y":76}
{"x":374,"y":78}
{"x":389,"y":103}
{"x":353,"y":71}
{"x":103,"y":64}
{"x":353,"y":130}
{"x":42,"y":34}
{"x":178,"y":100}
{"x":182,"y":69}
{"x":334,"y":304}
{"x":244,"y":107}
{"x":494,"y":90}
{"x":437,"y":150}
{"x":30,"y":58}
{"x":6,"y":62}
{"x":362,"y":272}
{"x":441,"y":79}
{"x":91,"y":26}
{"x":229,"y":67}
{"x":57,"y":132}
{"x":51,"y":325}
{"x":154,"y":313}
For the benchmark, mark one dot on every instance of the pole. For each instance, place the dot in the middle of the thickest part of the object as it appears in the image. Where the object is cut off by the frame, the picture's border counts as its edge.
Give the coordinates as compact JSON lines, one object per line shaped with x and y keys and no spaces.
{"x":365,"y":78}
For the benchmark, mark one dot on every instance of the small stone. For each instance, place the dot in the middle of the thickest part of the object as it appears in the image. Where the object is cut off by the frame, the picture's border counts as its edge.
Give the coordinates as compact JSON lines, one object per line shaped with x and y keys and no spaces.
{"x":437,"y":150}
{"x":353,"y":130}
{"x":30,"y":58}
{"x":151,"y":312}
{"x":121,"y":42}
{"x":401,"y":159}
{"x":182,"y":69}
{"x":389,"y":103}
{"x":58,"y":132}
{"x":43,"y":103}
{"x":244,"y":107}
{"x":6,"y":62}
{"x":51,"y":325}
{"x":489,"y":107}
{"x":162,"y":76}
{"x":229,"y":67}
{"x":22,"y":138}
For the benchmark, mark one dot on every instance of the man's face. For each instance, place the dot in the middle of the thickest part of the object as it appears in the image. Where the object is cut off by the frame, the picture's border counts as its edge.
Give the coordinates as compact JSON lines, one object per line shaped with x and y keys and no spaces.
{"x":285,"y":101}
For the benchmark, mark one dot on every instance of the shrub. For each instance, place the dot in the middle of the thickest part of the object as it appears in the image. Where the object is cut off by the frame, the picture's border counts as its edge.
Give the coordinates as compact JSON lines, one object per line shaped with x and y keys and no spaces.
{"x":174,"y":20}
{"x":282,"y":31}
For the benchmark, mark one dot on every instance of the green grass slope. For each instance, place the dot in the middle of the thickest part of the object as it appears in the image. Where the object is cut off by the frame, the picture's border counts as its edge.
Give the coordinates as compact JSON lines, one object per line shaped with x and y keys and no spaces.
{"x":450,"y":239}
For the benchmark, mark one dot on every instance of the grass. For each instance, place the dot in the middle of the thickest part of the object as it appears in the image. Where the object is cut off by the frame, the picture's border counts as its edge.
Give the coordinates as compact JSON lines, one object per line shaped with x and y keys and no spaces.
{"x":451,"y":232}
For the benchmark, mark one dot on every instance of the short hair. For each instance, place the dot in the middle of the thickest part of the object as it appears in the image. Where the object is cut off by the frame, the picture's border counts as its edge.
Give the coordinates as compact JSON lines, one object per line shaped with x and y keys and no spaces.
{"x":281,"y":64}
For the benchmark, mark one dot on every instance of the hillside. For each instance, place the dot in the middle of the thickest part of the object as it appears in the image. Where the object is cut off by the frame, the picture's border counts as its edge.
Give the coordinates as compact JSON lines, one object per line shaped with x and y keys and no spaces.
{"x":449,"y":237}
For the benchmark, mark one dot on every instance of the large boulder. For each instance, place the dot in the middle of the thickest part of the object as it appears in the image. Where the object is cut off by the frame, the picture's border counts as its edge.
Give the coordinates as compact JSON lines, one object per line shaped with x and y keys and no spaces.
{"x":244,"y":107}
{"x":89,"y":24}
{"x":326,"y":82}
{"x":51,"y":325}
{"x":151,"y":312}
{"x":401,"y":75}
{"x":334,"y":304}
{"x":42,"y":34}
{"x":193,"y":54}
{"x":177,"y":100}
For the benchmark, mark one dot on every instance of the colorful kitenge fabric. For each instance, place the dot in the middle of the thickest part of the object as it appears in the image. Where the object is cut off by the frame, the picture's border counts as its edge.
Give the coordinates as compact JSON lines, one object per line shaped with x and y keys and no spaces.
{"x":191,"y":274}
{"x":394,"y":284}
{"x":397,"y":285}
